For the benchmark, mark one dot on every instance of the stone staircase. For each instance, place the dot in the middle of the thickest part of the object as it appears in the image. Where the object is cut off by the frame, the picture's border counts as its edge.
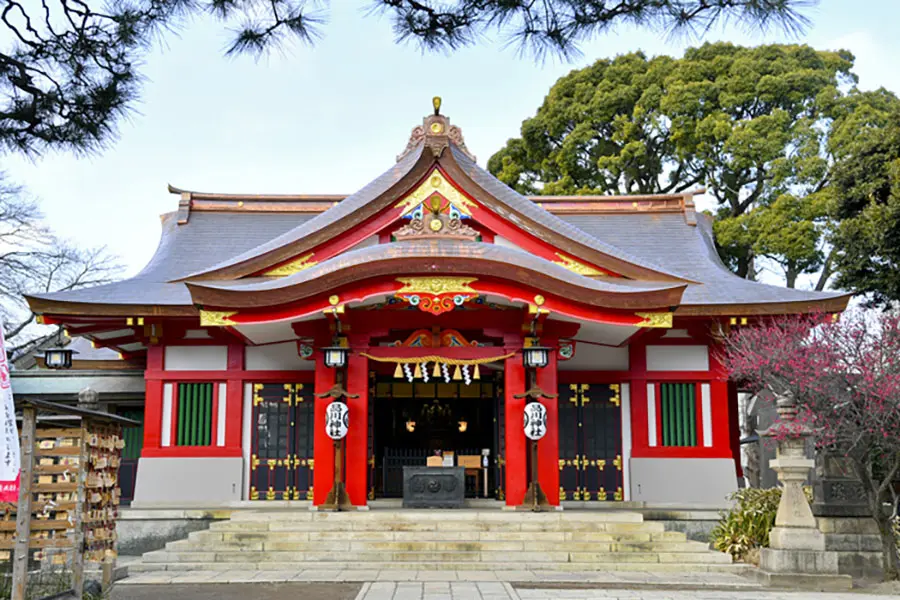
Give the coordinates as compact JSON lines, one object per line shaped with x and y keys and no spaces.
{"x":483,"y":540}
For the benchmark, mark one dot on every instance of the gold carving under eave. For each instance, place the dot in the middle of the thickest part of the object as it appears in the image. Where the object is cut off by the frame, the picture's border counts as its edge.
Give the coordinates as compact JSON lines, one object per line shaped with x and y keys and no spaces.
{"x":655,"y":319}
{"x":436,"y":285}
{"x":294,"y":266}
{"x":577,"y":267}
{"x":217,"y":318}
{"x":435,"y":182}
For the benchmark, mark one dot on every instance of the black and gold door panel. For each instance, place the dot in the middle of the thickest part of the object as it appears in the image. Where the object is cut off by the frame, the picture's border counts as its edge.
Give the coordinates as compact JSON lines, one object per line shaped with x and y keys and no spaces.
{"x":590,"y":442}
{"x":281,"y":460}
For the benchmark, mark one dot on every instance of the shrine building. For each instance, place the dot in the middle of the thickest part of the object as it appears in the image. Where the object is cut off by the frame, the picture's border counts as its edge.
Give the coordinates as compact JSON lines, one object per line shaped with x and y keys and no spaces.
{"x":434,"y":277}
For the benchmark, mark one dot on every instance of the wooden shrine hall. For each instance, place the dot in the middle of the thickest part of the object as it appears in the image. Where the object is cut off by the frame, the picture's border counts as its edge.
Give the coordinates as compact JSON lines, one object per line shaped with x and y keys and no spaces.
{"x":391,"y":328}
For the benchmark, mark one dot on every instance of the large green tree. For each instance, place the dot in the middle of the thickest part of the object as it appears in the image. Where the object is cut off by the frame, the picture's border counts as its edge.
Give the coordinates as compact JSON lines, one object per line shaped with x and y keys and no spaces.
{"x":867,"y":203}
{"x":761,"y":127}
{"x":69,"y":69}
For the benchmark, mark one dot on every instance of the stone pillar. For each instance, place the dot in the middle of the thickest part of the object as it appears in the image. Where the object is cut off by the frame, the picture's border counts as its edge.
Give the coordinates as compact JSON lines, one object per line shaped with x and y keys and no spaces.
{"x":843,"y":515}
{"x":796,"y":556}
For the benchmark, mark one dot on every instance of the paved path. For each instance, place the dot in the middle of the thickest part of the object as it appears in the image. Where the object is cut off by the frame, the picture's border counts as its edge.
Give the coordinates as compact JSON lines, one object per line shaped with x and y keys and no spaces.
{"x":620,"y":579}
{"x":315,"y":584}
{"x":450,"y":590}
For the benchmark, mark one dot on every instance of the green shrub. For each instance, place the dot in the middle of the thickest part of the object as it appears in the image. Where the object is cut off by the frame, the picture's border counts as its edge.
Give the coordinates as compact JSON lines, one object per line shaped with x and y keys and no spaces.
{"x":745,"y":528}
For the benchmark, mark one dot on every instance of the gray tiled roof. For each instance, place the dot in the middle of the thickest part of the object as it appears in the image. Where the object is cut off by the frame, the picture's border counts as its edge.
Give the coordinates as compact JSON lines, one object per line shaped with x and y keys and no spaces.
{"x":344,"y":208}
{"x":522,"y":205}
{"x":682,"y":248}
{"x":662,"y":242}
{"x":184,"y":249}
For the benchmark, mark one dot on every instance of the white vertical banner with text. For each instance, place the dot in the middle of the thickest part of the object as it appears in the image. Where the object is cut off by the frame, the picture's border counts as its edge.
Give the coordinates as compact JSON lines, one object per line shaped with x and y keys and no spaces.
{"x":10,"y":460}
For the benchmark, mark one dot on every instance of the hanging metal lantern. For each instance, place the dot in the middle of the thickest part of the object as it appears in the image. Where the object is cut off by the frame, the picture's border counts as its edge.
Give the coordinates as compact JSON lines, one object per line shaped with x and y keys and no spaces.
{"x":535,"y":357}
{"x":337,"y":420}
{"x":535,"y":422}
{"x":336,"y":356}
{"x":58,"y":358}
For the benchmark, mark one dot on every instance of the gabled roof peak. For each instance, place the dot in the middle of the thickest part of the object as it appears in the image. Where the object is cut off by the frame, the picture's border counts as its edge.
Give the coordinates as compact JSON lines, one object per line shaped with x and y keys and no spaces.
{"x":436,"y":133}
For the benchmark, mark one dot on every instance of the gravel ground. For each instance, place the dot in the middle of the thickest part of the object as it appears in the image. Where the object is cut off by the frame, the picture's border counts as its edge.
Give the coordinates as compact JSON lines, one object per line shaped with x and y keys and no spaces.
{"x":236,"y":591}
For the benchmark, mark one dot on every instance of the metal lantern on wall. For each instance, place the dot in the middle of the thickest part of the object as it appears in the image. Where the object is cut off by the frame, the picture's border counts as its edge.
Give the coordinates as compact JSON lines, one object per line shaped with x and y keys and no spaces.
{"x":336,"y":356}
{"x":58,"y":358}
{"x":535,"y":357}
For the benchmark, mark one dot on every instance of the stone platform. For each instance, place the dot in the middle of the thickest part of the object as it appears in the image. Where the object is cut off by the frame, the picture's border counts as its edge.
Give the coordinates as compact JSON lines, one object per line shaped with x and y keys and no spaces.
{"x":437,"y":540}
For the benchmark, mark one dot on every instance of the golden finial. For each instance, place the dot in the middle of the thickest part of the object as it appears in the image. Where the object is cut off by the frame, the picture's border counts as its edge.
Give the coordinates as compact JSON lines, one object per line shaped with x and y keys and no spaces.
{"x":436,"y":102}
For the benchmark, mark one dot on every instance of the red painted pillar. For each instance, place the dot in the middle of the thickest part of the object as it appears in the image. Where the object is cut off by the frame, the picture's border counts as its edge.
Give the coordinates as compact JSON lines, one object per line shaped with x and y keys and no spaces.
{"x":548,"y":447}
{"x":234,"y":398}
{"x":719,"y":401}
{"x":357,"y":440}
{"x":323,"y":446}
{"x":153,"y":400}
{"x":516,"y":447}
{"x":637,"y":365}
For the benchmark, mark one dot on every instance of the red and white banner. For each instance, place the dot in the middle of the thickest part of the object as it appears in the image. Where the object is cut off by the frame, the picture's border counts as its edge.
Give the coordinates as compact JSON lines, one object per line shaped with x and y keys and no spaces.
{"x":10,"y":459}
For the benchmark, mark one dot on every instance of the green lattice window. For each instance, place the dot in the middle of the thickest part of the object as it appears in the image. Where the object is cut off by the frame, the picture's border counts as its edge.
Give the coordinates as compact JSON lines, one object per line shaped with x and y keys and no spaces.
{"x":134,"y":436}
{"x":678,"y":408}
{"x":195,"y":414}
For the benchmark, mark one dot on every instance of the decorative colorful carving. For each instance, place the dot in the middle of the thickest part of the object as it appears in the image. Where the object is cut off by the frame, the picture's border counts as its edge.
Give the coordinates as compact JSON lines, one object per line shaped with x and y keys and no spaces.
{"x":566,"y":350}
{"x":436,"y":295}
{"x":423,"y":338}
{"x":436,"y":218}
{"x":435,"y":182}
{"x":654,"y":319}
{"x":290,"y":268}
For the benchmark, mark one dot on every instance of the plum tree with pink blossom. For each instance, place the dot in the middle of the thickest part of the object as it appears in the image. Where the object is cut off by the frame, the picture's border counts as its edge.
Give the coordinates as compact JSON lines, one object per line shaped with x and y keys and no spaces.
{"x":844,"y":376}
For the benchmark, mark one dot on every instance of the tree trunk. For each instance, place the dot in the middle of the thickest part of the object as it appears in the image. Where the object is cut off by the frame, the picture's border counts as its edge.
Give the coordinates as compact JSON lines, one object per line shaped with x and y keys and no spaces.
{"x":875,"y":497}
{"x":888,"y":546}
{"x":790,"y":276}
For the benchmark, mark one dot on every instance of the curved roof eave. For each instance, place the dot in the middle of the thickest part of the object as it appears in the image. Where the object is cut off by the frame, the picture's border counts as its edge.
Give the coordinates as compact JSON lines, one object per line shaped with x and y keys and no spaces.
{"x":518,"y":206}
{"x":287,"y":245}
{"x":390,"y":186}
{"x":413,"y":258}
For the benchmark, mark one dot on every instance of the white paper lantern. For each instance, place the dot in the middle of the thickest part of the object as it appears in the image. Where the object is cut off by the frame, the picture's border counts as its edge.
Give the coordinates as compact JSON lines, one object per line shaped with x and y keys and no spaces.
{"x":535,"y":421}
{"x":337,"y":420}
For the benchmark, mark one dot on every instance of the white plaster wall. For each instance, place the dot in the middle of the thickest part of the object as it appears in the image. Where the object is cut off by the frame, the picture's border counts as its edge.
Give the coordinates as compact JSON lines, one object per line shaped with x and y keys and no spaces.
{"x":625,"y":395}
{"x":246,"y":438}
{"x":677,"y":358}
{"x":196,"y":358}
{"x":276,"y":357}
{"x":589,"y":357}
{"x":185,"y":482}
{"x":707,"y":481}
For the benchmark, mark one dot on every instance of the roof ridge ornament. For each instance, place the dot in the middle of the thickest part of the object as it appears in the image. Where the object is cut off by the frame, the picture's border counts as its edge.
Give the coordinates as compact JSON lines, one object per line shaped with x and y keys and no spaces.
{"x":436,"y":133}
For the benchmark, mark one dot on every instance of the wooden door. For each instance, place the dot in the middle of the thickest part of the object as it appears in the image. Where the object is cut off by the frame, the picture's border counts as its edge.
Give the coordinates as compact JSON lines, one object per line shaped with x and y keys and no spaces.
{"x":590,"y":442}
{"x":281,"y":460}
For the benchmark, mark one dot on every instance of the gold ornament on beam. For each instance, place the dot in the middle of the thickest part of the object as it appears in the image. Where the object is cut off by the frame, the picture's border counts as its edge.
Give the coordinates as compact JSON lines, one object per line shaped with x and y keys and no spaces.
{"x":436,"y":285}
{"x":654,"y":319}
{"x":576,"y":267}
{"x":217,"y":318}
{"x":290,"y":268}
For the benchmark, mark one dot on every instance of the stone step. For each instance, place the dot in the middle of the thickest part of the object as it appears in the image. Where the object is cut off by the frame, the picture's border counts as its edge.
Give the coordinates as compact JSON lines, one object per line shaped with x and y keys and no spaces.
{"x":431,"y":525}
{"x":443,"y":516}
{"x":206,"y":537}
{"x":492,"y":556}
{"x":431,"y":545}
{"x":336,"y":566}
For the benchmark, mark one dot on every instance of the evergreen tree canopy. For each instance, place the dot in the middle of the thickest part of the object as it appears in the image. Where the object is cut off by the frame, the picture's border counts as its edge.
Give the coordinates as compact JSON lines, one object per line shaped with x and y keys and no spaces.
{"x":70,"y":69}
{"x":867,"y":202}
{"x":761,"y":127}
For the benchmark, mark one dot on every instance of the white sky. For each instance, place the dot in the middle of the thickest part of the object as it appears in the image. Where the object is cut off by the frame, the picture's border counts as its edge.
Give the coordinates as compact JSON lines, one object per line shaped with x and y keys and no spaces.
{"x":330,"y":118}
